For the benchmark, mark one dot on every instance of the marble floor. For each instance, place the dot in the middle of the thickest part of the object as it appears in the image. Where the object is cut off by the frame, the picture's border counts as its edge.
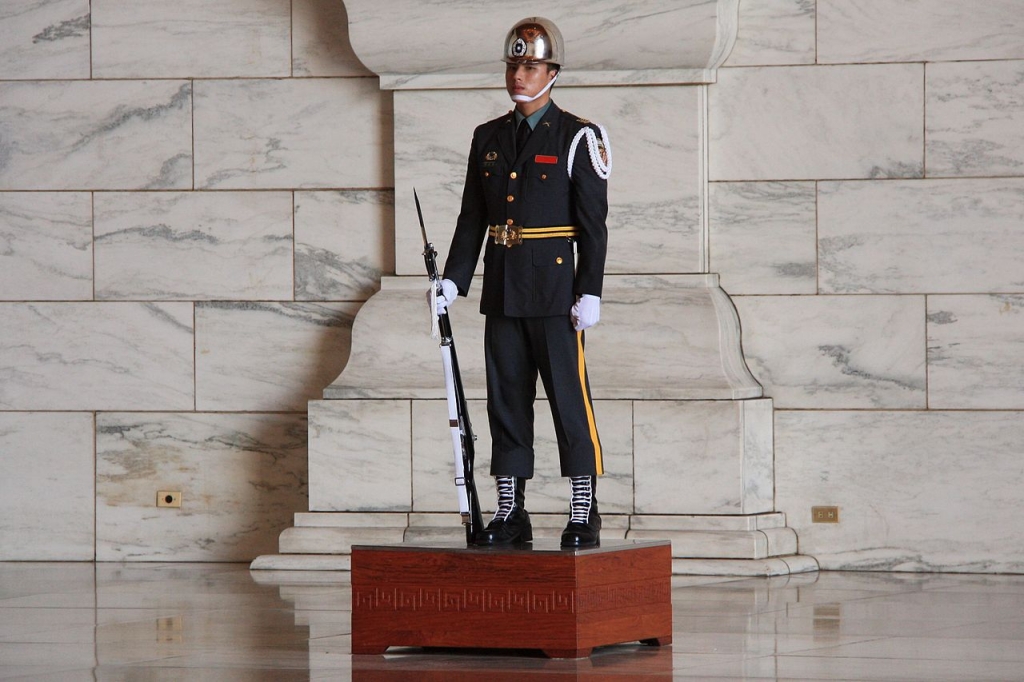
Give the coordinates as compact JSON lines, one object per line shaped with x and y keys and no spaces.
{"x":154,"y":622}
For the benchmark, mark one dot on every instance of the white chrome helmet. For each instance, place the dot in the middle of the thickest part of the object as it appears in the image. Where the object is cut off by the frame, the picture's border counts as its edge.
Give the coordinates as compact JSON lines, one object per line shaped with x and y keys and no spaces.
{"x":534,"y":40}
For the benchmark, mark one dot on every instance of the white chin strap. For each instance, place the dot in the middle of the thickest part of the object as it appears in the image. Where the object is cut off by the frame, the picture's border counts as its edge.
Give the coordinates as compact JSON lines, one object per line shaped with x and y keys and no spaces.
{"x":527,"y":98}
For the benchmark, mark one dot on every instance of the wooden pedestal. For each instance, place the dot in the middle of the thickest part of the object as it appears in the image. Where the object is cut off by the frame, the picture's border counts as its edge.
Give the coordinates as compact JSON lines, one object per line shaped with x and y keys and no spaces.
{"x":538,"y":596}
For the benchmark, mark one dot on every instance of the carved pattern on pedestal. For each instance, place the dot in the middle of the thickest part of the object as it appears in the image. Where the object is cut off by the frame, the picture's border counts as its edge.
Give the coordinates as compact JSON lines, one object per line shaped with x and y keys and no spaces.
{"x":509,"y":600}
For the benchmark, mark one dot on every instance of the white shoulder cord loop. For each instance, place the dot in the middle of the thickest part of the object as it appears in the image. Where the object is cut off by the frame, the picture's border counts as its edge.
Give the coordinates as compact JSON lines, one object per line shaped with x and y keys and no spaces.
{"x":601,"y":167}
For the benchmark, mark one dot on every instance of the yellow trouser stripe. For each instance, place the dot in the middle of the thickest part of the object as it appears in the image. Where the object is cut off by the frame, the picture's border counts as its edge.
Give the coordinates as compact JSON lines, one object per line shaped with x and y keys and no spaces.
{"x":598,"y":460}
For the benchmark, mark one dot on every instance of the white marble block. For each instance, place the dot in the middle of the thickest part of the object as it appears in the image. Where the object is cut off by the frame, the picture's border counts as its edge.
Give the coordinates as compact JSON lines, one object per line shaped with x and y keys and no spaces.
{"x":44,"y":39}
{"x":299,"y":133}
{"x":96,"y":356}
{"x":45,"y":246}
{"x":975,"y":352}
{"x":241,"y":477}
{"x":194,"y":245}
{"x":433,"y":465}
{"x":923,"y":236}
{"x":654,"y":194}
{"x":703,"y":457}
{"x":320,"y":43}
{"x":96,"y":135}
{"x":763,"y":237}
{"x":46,"y":456}
{"x":360,"y":455}
{"x":823,"y":352}
{"x":916,"y":491}
{"x":774,"y":32}
{"x":690,"y":327}
{"x":921,"y":31}
{"x":975,"y":124}
{"x":453,"y":45}
{"x":813,"y":122}
{"x":190,"y":38}
{"x":344,"y":242}
{"x":268,"y":356}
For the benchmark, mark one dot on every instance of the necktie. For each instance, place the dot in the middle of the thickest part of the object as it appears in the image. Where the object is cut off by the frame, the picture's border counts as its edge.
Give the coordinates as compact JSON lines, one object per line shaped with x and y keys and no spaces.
{"x":522,"y":134}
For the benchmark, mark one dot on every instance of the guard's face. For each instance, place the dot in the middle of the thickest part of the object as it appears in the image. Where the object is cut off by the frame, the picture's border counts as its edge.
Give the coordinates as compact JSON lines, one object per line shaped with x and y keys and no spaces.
{"x":526,"y":79}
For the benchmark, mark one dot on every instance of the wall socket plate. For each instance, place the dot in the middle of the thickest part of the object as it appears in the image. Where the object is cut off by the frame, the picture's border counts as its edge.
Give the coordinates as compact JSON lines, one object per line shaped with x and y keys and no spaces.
{"x":168,"y":498}
{"x":824,"y":514}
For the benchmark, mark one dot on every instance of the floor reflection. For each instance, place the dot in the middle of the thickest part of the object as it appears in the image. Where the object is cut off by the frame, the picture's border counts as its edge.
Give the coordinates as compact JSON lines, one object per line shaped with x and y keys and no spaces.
{"x":154,"y":622}
{"x":634,"y":662}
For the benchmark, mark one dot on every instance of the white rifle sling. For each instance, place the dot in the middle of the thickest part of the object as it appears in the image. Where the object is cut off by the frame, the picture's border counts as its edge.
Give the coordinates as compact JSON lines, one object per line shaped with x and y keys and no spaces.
{"x":456,"y":429}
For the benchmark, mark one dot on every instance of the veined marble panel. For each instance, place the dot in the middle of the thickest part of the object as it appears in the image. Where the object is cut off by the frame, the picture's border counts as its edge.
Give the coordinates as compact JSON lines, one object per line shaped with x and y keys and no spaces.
{"x":690,"y":325}
{"x":241,"y":477}
{"x":433,"y":132}
{"x":360,"y":455}
{"x":924,"y":236}
{"x":812,"y":122}
{"x":774,"y":32}
{"x":975,"y":352}
{"x":917,"y":491}
{"x":925,"y":30}
{"x":193,"y":245}
{"x":190,"y":38}
{"x":344,"y":242}
{"x":446,"y":44}
{"x":764,"y":237}
{"x":45,"y":246}
{"x":301,"y":133}
{"x":654,"y":220}
{"x":433,"y":466}
{"x":975,"y":118}
{"x":703,"y":457}
{"x":96,"y":356}
{"x":96,"y":135}
{"x":44,"y":39}
{"x":268,"y":356}
{"x":320,"y":42}
{"x":654,"y":193}
{"x":824,"y":352}
{"x":46,"y":456}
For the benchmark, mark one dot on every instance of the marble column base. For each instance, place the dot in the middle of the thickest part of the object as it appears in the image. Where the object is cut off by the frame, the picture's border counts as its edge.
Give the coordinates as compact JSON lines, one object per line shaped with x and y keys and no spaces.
{"x":687,"y":436}
{"x":757,"y":544}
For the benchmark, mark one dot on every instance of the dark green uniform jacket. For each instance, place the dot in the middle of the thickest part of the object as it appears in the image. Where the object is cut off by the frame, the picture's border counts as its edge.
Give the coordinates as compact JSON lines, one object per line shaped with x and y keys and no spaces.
{"x":532,"y":189}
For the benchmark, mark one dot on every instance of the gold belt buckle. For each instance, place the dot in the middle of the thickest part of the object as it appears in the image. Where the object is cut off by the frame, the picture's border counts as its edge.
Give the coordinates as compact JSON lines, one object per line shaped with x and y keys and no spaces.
{"x":508,"y":235}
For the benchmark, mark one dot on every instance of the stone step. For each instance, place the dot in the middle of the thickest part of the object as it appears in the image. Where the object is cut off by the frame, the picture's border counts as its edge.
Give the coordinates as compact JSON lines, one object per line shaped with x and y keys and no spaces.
{"x":757,"y":544}
{"x":774,"y":566}
{"x":334,"y":540}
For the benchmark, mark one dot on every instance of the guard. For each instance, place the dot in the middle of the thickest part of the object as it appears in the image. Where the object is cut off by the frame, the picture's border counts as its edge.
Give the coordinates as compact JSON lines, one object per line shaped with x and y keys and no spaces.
{"x":536,"y":192}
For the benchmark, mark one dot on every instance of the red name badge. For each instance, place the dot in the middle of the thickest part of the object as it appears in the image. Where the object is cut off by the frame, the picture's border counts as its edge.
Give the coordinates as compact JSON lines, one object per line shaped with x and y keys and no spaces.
{"x":540,"y":158}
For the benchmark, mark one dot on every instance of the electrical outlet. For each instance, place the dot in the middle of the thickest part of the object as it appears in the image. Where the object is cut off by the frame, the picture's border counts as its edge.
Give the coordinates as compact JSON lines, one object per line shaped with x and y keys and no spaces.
{"x":168,"y":498}
{"x":824,"y":514}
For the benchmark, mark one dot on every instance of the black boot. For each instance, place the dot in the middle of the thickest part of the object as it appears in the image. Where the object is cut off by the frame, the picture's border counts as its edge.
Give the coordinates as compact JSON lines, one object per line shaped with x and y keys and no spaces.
{"x":584,"y":528}
{"x":511,"y":522}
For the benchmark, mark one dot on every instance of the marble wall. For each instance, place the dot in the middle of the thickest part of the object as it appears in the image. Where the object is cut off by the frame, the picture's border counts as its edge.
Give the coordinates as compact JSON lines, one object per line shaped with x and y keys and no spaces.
{"x":866,"y":203}
{"x":195,"y":200}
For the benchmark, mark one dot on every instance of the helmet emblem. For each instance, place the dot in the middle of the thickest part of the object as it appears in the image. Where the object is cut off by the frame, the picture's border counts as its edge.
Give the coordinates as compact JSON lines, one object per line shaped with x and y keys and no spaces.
{"x":519,"y":48}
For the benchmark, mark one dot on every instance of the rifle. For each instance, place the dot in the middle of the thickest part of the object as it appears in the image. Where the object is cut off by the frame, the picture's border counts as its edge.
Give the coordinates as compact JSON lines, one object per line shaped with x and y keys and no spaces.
{"x":463,"y":438}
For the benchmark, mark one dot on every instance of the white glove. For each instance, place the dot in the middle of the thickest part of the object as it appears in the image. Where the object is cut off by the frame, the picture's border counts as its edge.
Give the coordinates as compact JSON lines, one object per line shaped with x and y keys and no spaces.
{"x":449,"y":292}
{"x":586,"y":312}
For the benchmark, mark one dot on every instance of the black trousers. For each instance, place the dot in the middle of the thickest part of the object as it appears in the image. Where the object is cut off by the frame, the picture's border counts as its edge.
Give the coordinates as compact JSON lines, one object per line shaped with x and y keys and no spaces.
{"x":516,"y":350}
